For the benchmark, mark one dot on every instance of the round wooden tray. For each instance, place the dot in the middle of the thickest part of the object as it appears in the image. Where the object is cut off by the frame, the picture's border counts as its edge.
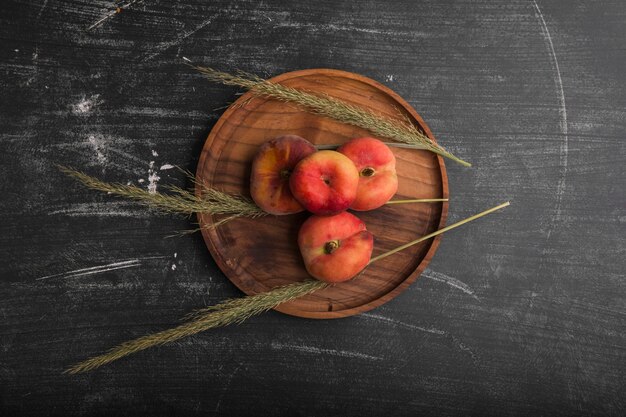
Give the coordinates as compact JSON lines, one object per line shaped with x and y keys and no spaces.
{"x":259,"y":254}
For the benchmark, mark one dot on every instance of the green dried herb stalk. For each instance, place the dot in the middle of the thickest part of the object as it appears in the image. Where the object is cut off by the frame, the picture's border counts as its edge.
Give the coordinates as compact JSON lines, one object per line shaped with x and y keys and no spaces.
{"x":380,"y":125}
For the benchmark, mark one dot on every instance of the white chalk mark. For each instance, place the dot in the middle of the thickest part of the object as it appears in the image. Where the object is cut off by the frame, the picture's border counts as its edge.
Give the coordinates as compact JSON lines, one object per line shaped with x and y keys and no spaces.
{"x":405,"y":325}
{"x":112,"y":13}
{"x":562,"y":113}
{"x":125,"y":154}
{"x":160,"y":112}
{"x":162,"y":47}
{"x":102,"y":20}
{"x":43,"y":7}
{"x":155,"y":153}
{"x":97,"y":143}
{"x":131,"y":263}
{"x":229,"y":380}
{"x":153,"y":178}
{"x":431,"y":330}
{"x":320,"y":351}
{"x":331,"y":27}
{"x":86,"y":105}
{"x":103,"y":209}
{"x":94,"y":270}
{"x":165,"y":167}
{"x":101,"y":144}
{"x":446,"y":279}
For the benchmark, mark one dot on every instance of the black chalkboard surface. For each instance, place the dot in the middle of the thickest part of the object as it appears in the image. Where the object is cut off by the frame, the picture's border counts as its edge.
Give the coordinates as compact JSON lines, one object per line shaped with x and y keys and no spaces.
{"x":521,"y":313}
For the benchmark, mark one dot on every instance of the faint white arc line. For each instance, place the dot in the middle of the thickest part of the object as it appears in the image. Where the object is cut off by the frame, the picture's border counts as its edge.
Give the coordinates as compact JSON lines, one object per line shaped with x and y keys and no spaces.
{"x":43,"y":7}
{"x":562,"y":113}
{"x":322,"y":351}
{"x":227,"y":385}
{"x":448,"y":280}
{"x":439,"y":332}
{"x":405,"y":325}
{"x":166,"y":45}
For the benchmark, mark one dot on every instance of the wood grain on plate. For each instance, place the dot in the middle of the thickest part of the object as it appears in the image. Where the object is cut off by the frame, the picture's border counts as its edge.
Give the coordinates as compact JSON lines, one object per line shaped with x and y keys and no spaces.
{"x":259,"y":254}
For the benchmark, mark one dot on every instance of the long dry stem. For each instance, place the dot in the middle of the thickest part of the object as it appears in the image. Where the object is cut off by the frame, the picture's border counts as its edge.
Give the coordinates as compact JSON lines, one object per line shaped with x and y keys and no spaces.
{"x":400,"y":130}
{"x":236,"y":310}
{"x":332,"y":146}
{"x":438,"y":232}
{"x":231,"y":311}
{"x":417,"y":200}
{"x":179,"y":201}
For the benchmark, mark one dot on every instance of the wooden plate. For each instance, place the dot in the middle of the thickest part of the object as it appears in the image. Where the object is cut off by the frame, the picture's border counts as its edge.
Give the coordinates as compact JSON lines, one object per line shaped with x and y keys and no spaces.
{"x":257,"y":255}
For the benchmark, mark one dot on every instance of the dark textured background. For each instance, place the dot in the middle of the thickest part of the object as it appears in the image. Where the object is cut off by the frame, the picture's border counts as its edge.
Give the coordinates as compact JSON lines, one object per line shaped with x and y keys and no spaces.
{"x":521,"y":313}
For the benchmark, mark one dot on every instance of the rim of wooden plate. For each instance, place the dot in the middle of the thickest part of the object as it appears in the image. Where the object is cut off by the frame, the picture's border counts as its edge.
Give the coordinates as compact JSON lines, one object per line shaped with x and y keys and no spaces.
{"x":287,"y":308}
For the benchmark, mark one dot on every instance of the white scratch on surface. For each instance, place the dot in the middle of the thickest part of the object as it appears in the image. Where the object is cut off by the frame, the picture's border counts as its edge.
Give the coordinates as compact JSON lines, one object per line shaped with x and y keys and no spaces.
{"x":320,"y":351}
{"x":314,"y":28}
{"x":562,"y":113}
{"x":102,"y":19}
{"x":126,"y":155}
{"x":160,"y":48}
{"x":227,"y":385}
{"x":112,"y":13}
{"x":103,"y":145}
{"x":43,"y":7}
{"x":86,"y":105}
{"x":446,"y":279}
{"x":97,"y":144}
{"x":165,"y":167}
{"x":195,"y":288}
{"x":131,"y":263}
{"x":460,"y":345}
{"x":35,"y":68}
{"x":153,"y":178}
{"x":161,"y":112}
{"x":103,"y":209}
{"x":402,"y":324}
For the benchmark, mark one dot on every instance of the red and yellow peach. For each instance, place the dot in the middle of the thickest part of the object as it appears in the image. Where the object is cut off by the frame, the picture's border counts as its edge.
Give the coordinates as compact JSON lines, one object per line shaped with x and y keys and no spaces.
{"x":271,"y":168}
{"x":335,"y":248}
{"x":376,"y":165}
{"x":325,"y":182}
